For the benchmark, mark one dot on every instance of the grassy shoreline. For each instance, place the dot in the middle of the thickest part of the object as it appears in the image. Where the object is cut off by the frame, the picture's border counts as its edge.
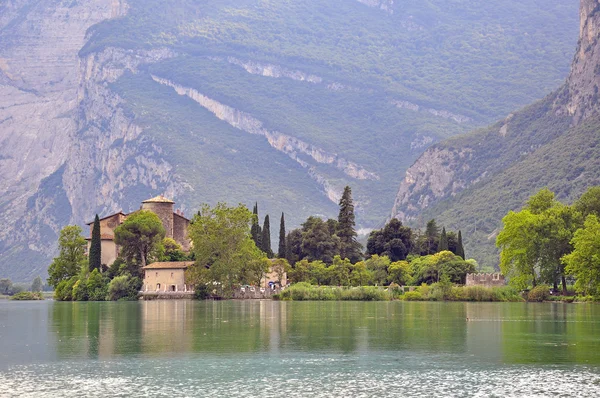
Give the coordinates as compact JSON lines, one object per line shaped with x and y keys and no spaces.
{"x":435,"y":292}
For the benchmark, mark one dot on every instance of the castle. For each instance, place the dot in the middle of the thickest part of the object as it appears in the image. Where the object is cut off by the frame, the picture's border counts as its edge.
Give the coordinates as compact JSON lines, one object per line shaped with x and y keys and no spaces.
{"x":174,"y":222}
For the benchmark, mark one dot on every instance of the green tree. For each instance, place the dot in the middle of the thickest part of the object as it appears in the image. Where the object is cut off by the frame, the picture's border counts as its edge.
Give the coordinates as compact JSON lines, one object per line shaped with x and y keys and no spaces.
{"x":399,"y":272}
{"x":222,"y":243}
{"x":300,"y":272}
{"x":281,"y":252}
{"x":97,"y":286}
{"x":172,"y":251}
{"x":393,"y":241}
{"x":378,"y":265}
{"x":71,"y":257}
{"x":280,"y":267}
{"x":360,"y":275}
{"x":341,"y":270}
{"x":584,"y":262}
{"x":443,"y":243}
{"x":138,"y":236}
{"x":432,"y":237}
{"x":266,"y":237}
{"x":255,"y":230}
{"x":293,"y":248}
{"x":95,"y":254}
{"x":318,"y":272}
{"x":589,"y":202}
{"x":317,"y":243}
{"x":460,"y":249}
{"x":255,"y":271}
{"x":349,"y":246}
{"x":5,"y":286}
{"x":37,"y":284}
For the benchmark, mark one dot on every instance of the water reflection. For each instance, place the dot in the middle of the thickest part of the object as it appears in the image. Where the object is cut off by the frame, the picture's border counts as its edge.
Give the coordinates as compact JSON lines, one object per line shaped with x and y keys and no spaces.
{"x":479,"y":332}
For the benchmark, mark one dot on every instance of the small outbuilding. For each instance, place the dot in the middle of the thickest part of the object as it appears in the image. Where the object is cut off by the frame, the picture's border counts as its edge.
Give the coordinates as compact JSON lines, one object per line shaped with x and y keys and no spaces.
{"x":166,"y":277}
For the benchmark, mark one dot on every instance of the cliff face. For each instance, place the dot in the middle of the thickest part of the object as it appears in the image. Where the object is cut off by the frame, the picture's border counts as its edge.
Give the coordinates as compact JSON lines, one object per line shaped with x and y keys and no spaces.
{"x":471,"y":181}
{"x":580,"y":96}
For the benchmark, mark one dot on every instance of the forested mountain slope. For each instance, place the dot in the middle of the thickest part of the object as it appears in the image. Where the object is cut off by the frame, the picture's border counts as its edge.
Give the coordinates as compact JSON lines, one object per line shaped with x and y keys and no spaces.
{"x":105,"y":103}
{"x":472,"y":181}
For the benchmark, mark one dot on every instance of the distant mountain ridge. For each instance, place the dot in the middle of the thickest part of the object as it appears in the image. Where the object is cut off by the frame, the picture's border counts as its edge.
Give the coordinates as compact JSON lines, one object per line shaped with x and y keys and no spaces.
{"x":280,"y":102}
{"x":471,"y":181}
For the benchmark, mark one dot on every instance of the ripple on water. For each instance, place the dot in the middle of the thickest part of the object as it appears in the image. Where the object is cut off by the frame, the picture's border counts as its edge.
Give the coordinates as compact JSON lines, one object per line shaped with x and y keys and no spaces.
{"x":291,"y":378}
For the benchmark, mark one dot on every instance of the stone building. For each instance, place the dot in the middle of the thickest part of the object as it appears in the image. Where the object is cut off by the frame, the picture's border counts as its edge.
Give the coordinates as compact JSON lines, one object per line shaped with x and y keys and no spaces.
{"x":166,"y":277}
{"x":486,"y":280}
{"x":174,"y":222}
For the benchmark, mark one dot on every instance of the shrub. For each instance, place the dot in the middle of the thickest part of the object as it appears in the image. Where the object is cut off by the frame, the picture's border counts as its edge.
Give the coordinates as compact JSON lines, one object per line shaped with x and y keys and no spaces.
{"x":201,"y":292}
{"x":64,"y":290}
{"x":122,"y":288}
{"x":412,"y":296}
{"x":97,"y":286}
{"x":27,"y":296}
{"x":80,"y":291}
{"x":539,"y":293}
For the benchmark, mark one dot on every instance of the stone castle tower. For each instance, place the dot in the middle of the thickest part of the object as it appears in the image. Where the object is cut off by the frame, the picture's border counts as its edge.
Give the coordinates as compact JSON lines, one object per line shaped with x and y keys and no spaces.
{"x":163,"y":208}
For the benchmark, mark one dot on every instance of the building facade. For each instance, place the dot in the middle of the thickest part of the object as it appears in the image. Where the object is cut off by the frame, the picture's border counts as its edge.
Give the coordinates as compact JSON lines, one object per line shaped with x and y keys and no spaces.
{"x":486,"y":280}
{"x":166,"y":277}
{"x":174,"y":222}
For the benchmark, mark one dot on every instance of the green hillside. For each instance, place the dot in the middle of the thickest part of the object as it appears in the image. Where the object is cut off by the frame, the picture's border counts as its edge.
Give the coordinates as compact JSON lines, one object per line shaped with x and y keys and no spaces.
{"x":475,"y":60}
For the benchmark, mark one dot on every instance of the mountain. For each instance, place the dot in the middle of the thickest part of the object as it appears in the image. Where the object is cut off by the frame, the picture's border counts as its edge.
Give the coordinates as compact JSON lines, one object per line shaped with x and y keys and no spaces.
{"x":104,"y":103}
{"x":471,"y":181}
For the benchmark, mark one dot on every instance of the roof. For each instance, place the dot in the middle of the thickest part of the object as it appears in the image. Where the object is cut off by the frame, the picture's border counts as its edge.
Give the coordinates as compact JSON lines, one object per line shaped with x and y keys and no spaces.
{"x":112,"y":215}
{"x":181,"y":216}
{"x":104,"y":237}
{"x":158,"y":199}
{"x":169,"y":265}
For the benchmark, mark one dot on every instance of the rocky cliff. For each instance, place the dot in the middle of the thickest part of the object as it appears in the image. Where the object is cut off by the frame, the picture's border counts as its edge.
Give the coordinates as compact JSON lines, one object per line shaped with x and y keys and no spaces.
{"x":471,"y":181}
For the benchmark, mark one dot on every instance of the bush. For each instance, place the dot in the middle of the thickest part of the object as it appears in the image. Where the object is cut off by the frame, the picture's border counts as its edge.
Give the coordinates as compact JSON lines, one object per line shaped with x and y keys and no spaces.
{"x":64,"y":290}
{"x":122,"y":288}
{"x":303,"y":291}
{"x":80,"y":292}
{"x":201,"y":292}
{"x":97,"y":286}
{"x":539,"y":293}
{"x":27,"y":296}
{"x":412,"y":296}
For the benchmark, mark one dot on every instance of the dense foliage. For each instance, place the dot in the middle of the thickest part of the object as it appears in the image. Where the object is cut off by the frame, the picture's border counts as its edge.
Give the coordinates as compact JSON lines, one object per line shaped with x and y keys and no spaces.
{"x":140,"y":234}
{"x":548,"y":242}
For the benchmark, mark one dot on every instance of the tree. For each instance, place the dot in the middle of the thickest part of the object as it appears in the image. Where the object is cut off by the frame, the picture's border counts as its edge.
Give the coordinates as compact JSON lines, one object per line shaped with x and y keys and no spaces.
{"x":460,"y":249}
{"x":71,"y":257}
{"x":37,"y":284}
{"x":172,"y":251}
{"x":589,"y":202}
{"x":95,"y":255}
{"x":360,"y":275}
{"x":255,"y":230}
{"x":399,"y":273}
{"x":394,"y":241}
{"x":534,"y":240}
{"x":443,"y":243}
{"x":293,"y":248}
{"x":341,"y":270}
{"x":266,"y":238}
{"x":378,"y":265}
{"x":255,"y":271}
{"x":584,"y":261}
{"x":317,"y":243}
{"x":138,"y":236}
{"x":432,"y":236}
{"x":300,"y":272}
{"x":281,"y":252}
{"x":349,"y":246}
{"x":223,"y":245}
{"x":5,"y":286}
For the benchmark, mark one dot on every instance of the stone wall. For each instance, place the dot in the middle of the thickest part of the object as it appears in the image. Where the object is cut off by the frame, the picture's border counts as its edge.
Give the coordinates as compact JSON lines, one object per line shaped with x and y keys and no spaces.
{"x":487,"y":280}
{"x":164,"y":280}
{"x":180,"y":231}
{"x":164,"y":211}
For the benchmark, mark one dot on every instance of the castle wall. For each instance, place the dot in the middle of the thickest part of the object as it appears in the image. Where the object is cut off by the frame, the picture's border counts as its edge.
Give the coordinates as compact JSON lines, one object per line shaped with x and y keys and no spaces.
{"x":486,"y":280}
{"x":164,"y":211}
{"x":109,"y":252}
{"x":180,"y":231}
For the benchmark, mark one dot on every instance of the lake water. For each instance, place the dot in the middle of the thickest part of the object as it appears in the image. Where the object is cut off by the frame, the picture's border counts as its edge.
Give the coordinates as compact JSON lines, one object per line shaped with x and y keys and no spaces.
{"x":299,"y":349}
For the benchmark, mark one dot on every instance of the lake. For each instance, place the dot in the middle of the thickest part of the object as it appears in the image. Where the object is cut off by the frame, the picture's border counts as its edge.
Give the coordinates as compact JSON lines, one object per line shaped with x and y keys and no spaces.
{"x":299,"y":349}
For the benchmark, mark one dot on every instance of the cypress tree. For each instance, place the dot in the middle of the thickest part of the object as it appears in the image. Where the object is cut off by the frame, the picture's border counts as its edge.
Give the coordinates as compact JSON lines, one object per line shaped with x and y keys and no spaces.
{"x":432,"y":233}
{"x":255,"y":230}
{"x":460,"y":249}
{"x":266,"y":237}
{"x":282,"y":250}
{"x":349,"y":246}
{"x":443,"y":245}
{"x":95,"y":255}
